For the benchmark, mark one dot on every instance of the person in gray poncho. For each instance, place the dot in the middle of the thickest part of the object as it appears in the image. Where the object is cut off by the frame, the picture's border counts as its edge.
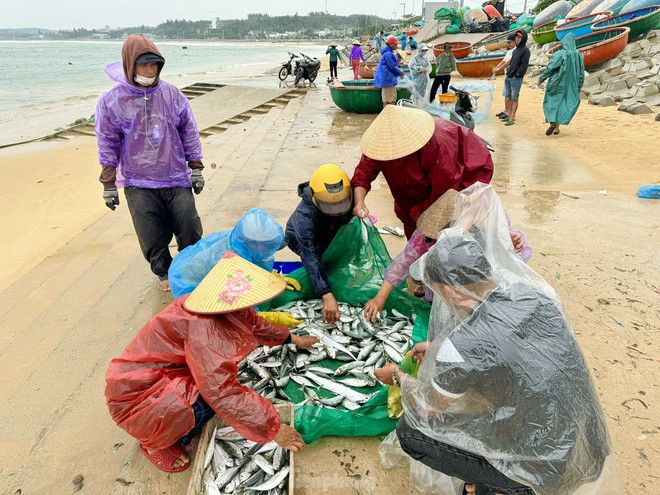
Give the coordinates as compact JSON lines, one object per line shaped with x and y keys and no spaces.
{"x":503,"y":398}
{"x":420,"y":67}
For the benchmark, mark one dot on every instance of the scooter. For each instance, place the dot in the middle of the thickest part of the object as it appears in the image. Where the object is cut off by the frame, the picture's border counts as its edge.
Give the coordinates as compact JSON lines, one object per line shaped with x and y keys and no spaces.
{"x":287,"y":67}
{"x":306,"y":68}
{"x":465,"y":105}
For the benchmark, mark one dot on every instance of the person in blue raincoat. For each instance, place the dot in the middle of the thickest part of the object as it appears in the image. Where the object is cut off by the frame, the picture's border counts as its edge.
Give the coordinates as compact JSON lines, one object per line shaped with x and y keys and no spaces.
{"x":565,"y":75}
{"x":403,"y":40}
{"x":388,"y":72}
{"x":256,"y":237}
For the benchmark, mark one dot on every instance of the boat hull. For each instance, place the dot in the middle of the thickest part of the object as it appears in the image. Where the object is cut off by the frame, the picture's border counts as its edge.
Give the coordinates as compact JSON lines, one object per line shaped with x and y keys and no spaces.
{"x":638,"y":21}
{"x":600,"y":46}
{"x":580,"y":26}
{"x":460,"y":49}
{"x":545,"y":33}
{"x":479,"y":66}
{"x":361,"y":96}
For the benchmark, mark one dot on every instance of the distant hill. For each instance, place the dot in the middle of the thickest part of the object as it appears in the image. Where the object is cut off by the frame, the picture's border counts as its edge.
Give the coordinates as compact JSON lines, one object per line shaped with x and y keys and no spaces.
{"x":22,"y":32}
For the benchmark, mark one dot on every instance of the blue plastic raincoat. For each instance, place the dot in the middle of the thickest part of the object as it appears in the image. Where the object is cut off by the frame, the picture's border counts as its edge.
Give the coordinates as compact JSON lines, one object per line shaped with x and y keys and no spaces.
{"x":565,"y":74}
{"x":420,"y":79}
{"x":388,"y":70}
{"x":256,"y":238}
{"x":148,"y":133}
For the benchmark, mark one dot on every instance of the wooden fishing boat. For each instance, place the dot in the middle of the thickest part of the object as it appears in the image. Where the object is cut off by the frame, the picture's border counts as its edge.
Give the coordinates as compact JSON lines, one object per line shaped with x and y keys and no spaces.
{"x":585,"y":7}
{"x":580,"y":26}
{"x":600,"y":46}
{"x":481,"y":66}
{"x":367,"y":70}
{"x":497,"y":42}
{"x":361,"y":96}
{"x":558,"y":9}
{"x":412,"y":32}
{"x":545,"y":33}
{"x":460,"y":49}
{"x":638,"y":21}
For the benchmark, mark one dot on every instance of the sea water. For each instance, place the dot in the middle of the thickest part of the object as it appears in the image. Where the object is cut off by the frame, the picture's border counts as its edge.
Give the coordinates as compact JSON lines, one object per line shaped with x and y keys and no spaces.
{"x":43,"y":81}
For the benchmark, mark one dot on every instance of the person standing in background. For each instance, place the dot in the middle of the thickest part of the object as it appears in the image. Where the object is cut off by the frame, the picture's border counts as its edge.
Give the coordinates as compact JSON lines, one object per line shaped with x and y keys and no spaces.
{"x":514,"y":75}
{"x":378,"y":41}
{"x":149,"y":144}
{"x":445,"y":63}
{"x":565,"y":75}
{"x":388,"y":72}
{"x":510,"y":46}
{"x":355,"y":56}
{"x":335,"y":56}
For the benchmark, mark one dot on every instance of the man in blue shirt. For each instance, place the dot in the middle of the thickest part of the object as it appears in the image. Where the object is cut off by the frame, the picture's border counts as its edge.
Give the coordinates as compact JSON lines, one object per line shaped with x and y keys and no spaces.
{"x":387,"y":72}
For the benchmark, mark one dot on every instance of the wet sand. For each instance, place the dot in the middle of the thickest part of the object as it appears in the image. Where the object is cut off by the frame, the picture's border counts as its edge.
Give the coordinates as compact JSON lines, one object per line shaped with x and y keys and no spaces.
{"x":77,"y":289}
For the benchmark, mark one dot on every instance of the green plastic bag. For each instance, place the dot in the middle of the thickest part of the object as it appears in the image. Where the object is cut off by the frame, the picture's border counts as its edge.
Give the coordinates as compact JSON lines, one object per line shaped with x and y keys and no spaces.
{"x":355,"y":263}
{"x":445,"y":14}
{"x":452,"y":29}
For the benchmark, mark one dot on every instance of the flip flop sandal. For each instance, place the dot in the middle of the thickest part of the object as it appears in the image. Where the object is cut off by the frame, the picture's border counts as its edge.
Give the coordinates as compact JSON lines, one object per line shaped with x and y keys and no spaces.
{"x":509,"y":122}
{"x":550,"y":129}
{"x":504,"y":117}
{"x":556,"y":131}
{"x":499,"y":115}
{"x":163,"y":459}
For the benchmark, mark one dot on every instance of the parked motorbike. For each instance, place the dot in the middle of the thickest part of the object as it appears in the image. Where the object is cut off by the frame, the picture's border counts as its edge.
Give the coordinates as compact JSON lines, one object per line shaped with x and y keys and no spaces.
{"x":307,"y":68}
{"x":464,"y":107}
{"x":287,"y":67}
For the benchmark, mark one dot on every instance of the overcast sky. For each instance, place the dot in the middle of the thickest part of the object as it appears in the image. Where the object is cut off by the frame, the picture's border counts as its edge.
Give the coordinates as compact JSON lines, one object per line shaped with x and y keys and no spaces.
{"x":68,"y":14}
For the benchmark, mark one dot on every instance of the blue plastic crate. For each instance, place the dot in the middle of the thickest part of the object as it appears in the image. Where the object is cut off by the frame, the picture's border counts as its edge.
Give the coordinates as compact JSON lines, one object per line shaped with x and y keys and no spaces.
{"x":285,"y":267}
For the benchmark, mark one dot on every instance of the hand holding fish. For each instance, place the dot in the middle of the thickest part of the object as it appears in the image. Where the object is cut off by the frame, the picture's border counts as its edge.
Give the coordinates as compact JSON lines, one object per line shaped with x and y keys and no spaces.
{"x":419,"y":351}
{"x":288,"y":438}
{"x":373,"y":308}
{"x":304,"y":342}
{"x":330,"y":308}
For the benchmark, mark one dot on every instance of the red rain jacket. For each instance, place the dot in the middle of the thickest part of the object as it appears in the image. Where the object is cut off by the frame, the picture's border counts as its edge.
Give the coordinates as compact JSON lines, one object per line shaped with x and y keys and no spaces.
{"x":454,"y":158}
{"x":176,"y":357}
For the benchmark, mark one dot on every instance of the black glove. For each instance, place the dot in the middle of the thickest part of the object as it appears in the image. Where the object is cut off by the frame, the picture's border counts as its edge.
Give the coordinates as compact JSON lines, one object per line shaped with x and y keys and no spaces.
{"x":111,"y":198}
{"x":197,"y":180}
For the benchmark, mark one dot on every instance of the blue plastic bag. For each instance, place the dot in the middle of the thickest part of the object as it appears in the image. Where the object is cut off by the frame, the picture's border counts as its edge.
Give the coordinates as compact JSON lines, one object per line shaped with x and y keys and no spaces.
{"x":256,"y":237}
{"x":651,"y":191}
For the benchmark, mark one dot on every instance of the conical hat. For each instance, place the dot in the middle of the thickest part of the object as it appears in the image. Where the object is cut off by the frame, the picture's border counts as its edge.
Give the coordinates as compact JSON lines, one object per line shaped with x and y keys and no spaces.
{"x":438,"y":215}
{"x":233,"y":284}
{"x":332,"y":43}
{"x":356,"y":42}
{"x":397,"y":132}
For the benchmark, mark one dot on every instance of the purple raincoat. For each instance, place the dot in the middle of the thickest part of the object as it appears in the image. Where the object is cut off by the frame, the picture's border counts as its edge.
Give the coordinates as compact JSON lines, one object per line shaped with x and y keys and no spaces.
{"x":148,"y":133}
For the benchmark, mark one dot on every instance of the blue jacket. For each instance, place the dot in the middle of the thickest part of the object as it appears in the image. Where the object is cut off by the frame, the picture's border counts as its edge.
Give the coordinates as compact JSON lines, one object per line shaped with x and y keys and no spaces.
{"x":388,"y":69}
{"x":308,"y":233}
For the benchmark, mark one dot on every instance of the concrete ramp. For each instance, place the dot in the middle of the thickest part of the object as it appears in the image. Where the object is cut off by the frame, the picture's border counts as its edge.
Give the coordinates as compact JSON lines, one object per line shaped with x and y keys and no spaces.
{"x":226,"y":102}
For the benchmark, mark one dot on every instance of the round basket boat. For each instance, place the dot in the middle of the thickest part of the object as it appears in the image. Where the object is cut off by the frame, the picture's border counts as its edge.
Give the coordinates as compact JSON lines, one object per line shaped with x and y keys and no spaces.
{"x":460,"y":49}
{"x":361,"y":96}
{"x":638,"y":21}
{"x":600,"y":46}
{"x":545,"y":33}
{"x":481,"y":66}
{"x":580,"y":26}
{"x":367,"y":70}
{"x":497,"y":42}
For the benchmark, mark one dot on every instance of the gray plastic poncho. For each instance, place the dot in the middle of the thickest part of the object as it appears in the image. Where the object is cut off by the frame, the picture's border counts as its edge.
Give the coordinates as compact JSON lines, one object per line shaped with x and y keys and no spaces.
{"x":256,"y":237}
{"x":419,"y":77}
{"x":503,"y":376}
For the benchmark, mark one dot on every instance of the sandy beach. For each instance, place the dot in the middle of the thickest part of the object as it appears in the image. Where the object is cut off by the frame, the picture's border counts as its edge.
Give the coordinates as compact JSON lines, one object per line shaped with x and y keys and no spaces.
{"x":75,"y":288}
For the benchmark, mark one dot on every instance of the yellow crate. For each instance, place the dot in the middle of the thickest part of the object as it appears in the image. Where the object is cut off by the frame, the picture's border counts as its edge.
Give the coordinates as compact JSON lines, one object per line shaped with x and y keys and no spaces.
{"x":195,"y":487}
{"x":447,"y":98}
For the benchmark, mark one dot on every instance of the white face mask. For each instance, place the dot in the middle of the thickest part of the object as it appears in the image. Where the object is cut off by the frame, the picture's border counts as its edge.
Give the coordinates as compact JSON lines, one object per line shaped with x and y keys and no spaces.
{"x":144,"y":81}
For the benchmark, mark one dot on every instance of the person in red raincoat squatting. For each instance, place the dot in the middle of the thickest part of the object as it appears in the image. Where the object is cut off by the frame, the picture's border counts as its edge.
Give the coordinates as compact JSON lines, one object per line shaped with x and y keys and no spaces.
{"x":421,"y":157}
{"x":181,"y":367}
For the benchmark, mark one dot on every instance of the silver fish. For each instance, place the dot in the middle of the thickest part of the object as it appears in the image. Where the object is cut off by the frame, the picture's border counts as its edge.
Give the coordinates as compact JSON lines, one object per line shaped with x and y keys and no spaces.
{"x":272,"y":482}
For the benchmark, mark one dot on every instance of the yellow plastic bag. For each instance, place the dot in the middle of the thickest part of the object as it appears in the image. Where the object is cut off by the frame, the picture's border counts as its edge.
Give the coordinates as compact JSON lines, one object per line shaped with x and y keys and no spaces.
{"x":394,"y":406}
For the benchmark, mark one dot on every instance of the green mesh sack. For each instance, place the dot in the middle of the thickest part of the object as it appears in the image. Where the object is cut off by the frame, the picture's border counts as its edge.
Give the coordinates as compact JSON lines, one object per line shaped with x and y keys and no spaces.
{"x":452,"y":29}
{"x":355,"y":263}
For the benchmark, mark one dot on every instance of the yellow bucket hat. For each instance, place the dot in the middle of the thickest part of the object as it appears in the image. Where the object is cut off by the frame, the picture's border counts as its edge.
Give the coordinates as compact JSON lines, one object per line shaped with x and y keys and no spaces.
{"x":397,"y":132}
{"x":233,"y":284}
{"x":438,"y":215}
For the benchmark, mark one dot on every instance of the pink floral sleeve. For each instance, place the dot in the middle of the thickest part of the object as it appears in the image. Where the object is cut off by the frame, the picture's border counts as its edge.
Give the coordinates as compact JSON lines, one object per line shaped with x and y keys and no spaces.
{"x":399,"y":269}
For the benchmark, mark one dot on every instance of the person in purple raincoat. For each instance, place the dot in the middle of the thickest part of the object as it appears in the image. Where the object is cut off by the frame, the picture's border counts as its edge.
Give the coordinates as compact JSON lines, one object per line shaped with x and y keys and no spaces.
{"x":148,"y":143}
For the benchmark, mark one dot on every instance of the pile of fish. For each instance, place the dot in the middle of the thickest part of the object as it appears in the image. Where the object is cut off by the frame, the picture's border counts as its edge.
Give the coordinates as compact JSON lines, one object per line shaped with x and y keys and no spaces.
{"x":363,"y":346}
{"x":238,"y":466}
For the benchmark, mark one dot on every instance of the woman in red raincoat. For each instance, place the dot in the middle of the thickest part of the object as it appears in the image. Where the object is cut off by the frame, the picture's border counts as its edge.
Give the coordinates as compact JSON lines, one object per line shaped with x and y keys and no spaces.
{"x":181,"y":367}
{"x":421,"y":157}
